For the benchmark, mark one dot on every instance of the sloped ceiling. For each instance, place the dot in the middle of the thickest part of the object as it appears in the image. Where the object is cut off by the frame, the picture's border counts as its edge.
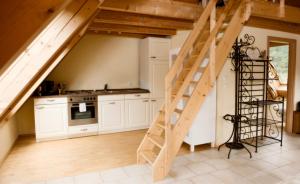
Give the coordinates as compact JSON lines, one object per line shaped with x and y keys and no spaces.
{"x":21,"y":20}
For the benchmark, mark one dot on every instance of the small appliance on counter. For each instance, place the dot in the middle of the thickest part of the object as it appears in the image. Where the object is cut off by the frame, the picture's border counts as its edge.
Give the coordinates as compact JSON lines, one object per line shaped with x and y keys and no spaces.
{"x":46,"y":88}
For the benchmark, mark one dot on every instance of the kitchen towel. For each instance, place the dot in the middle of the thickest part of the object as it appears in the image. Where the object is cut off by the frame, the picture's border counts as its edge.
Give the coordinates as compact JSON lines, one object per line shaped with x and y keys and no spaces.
{"x":82,"y":107}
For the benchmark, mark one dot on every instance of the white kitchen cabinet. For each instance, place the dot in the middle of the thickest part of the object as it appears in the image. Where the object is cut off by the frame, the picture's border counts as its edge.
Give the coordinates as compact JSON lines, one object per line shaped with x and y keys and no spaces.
{"x":111,"y":115}
{"x":155,"y":49}
{"x":137,"y":113}
{"x":155,"y":105}
{"x":204,"y":125}
{"x":51,"y":118}
{"x":154,"y":65}
{"x":83,"y":130}
{"x":158,"y":72}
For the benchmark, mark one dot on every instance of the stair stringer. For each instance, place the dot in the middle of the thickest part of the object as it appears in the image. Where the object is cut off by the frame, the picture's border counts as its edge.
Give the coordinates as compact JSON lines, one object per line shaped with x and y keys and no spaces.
{"x":202,"y":89}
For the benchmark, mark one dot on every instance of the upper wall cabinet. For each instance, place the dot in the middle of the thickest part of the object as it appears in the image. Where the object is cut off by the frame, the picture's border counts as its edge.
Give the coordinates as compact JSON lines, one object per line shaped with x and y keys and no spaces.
{"x":155,"y":49}
{"x":154,"y":65}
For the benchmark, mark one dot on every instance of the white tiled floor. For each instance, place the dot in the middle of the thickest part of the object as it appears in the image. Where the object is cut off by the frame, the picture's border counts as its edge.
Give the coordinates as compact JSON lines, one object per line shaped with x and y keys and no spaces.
{"x":272,"y":164}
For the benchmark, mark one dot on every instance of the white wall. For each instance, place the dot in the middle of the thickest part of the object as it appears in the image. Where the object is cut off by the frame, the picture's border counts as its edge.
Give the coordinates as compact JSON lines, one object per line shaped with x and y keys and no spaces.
{"x":178,"y":40}
{"x":94,"y":61}
{"x":25,"y":118}
{"x":8,"y":135}
{"x":100,"y":59}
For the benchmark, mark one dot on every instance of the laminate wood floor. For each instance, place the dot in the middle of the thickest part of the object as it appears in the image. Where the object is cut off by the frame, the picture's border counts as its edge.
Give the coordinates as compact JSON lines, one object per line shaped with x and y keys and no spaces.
{"x":30,"y":161}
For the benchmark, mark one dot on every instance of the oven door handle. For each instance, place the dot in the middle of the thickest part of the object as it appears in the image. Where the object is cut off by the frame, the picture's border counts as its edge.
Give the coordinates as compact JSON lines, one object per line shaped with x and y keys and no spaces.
{"x":88,"y":105}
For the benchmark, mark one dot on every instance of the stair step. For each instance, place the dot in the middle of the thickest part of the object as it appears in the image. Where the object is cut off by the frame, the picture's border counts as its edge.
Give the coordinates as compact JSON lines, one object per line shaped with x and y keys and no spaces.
{"x":200,"y":69}
{"x":178,"y":111}
{"x":218,"y":40}
{"x":149,"y":156}
{"x":184,"y":97}
{"x":223,"y":29}
{"x":161,"y":124}
{"x":157,"y":140}
{"x":194,"y":83}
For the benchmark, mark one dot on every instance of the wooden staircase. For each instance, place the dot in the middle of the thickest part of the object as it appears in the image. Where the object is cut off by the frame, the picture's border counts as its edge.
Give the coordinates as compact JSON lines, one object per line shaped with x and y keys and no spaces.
{"x":189,"y":80}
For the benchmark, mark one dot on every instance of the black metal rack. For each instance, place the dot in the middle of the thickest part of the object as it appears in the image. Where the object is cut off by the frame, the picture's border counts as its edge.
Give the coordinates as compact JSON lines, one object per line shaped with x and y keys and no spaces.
{"x":264,"y":124}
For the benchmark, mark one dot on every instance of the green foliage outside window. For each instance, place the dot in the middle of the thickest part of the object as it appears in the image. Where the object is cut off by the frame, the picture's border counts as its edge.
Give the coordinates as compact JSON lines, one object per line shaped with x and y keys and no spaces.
{"x":280,"y":60}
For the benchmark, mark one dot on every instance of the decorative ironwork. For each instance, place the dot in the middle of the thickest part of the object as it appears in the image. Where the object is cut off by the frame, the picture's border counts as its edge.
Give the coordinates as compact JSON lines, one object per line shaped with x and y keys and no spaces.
{"x":253,"y":74}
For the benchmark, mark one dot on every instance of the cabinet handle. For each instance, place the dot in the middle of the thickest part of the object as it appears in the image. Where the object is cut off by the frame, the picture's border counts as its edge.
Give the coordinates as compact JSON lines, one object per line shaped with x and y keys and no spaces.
{"x":84,"y":129}
{"x":40,"y":107}
{"x":153,"y":100}
{"x":153,"y":57}
{"x":146,"y":101}
{"x":137,"y":95}
{"x":51,"y":100}
{"x":112,"y":103}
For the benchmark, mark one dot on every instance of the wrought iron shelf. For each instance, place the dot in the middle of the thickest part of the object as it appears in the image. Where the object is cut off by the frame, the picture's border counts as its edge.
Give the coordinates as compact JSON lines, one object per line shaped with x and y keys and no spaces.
{"x":262,"y":102}
{"x":262,"y":141}
{"x":256,"y":60}
{"x":259,"y":122}
{"x":252,"y":77}
{"x":258,"y":79}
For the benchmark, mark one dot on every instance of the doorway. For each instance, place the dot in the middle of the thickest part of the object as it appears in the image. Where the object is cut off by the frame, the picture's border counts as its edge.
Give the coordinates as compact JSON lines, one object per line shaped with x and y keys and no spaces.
{"x":282,"y":51}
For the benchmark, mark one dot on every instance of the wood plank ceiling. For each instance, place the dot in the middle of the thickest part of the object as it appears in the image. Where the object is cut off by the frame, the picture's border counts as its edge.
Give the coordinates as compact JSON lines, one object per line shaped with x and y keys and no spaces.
{"x":145,"y":18}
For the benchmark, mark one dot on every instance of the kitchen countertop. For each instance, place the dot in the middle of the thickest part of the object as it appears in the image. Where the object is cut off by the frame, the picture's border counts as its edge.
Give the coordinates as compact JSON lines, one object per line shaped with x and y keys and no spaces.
{"x":99,"y":92}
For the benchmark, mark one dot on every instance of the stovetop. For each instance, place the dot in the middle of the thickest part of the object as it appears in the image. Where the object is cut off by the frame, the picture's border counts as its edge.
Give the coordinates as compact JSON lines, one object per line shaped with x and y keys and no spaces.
{"x":80,"y":92}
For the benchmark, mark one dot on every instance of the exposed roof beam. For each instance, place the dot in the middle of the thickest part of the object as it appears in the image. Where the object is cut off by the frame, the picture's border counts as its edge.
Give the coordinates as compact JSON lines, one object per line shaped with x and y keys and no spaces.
{"x":292,"y":3}
{"x":161,"y":8}
{"x":15,"y":80}
{"x":274,"y":25}
{"x":117,"y":28}
{"x":273,"y":11}
{"x":188,"y":1}
{"x":132,"y":35}
{"x":131,"y":19}
{"x":17,"y":31}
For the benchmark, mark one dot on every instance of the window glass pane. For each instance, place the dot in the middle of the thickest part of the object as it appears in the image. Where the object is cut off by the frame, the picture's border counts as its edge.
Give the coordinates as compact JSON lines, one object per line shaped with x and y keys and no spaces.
{"x":280,"y":60}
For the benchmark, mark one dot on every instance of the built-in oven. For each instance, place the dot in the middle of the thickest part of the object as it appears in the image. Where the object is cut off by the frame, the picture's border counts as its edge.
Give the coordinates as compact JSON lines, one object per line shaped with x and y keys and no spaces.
{"x":82,"y":110}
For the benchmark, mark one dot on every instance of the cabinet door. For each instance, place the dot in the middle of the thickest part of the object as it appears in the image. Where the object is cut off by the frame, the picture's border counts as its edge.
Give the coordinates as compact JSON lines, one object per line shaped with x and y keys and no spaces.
{"x":111,"y":115}
{"x":137,"y":113}
{"x":155,"y":105}
{"x":159,"y":49}
{"x":158,"y":73}
{"x":51,"y":120}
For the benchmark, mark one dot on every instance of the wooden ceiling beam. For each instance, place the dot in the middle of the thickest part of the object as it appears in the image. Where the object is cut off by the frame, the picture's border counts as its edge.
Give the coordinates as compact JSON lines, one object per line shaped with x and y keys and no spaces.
{"x":20,"y":23}
{"x":274,"y":25}
{"x":188,"y":1}
{"x":273,"y":11}
{"x":131,"y":19}
{"x":132,"y":35}
{"x":117,"y":28}
{"x":162,"y":8}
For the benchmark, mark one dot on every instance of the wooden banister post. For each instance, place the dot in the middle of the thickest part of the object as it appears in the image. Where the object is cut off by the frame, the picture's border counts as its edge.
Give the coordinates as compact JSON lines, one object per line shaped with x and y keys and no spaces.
{"x":282,"y":8}
{"x":247,"y":9}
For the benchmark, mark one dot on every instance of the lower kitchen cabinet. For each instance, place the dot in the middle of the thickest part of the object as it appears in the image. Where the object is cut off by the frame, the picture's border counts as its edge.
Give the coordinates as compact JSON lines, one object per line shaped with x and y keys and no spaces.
{"x":51,"y":120}
{"x":155,"y":105}
{"x":111,"y":115}
{"x":137,"y":114}
{"x":83,"y":130}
